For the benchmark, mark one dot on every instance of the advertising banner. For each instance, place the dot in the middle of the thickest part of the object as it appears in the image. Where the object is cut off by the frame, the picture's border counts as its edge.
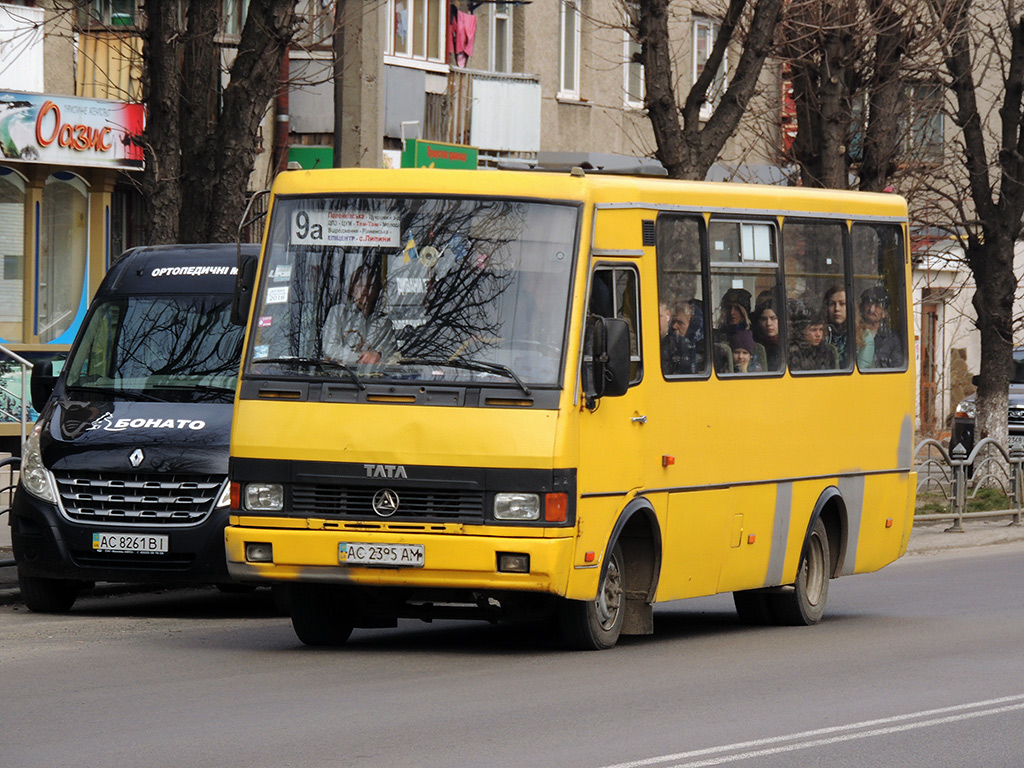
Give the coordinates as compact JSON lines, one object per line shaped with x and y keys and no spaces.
{"x":65,"y":130}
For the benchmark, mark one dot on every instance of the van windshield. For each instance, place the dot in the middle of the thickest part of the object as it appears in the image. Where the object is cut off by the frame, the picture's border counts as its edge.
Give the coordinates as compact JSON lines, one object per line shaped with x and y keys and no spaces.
{"x":174,"y":347}
{"x":415,"y":289}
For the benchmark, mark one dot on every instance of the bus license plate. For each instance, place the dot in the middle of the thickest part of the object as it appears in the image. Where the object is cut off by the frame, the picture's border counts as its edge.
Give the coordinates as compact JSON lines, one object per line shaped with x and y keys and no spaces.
{"x":134,"y":543}
{"x":388,"y":555}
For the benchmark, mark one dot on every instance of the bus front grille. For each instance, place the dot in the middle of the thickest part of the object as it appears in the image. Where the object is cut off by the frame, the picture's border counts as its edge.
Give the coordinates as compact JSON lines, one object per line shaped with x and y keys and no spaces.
{"x":357,"y":503}
{"x":137,"y":499}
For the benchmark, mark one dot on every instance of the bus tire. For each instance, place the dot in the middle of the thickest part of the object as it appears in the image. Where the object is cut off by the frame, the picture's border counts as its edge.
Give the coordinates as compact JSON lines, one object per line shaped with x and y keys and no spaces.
{"x":754,"y":607}
{"x":318,"y":614}
{"x":595,"y":625}
{"x":42,"y":595}
{"x":804,"y":603}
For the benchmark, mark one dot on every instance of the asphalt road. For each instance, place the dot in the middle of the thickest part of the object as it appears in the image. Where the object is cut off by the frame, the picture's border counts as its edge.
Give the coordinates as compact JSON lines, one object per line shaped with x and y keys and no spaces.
{"x":920,"y":664}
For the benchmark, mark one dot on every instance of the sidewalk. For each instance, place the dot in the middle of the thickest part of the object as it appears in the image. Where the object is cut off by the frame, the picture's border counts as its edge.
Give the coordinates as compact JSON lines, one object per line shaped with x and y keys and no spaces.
{"x":925,"y":539}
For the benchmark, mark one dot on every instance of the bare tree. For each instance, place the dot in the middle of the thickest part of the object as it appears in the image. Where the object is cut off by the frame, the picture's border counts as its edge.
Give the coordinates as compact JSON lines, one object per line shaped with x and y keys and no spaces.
{"x":201,"y":140}
{"x":687,"y":145}
{"x":982,"y":47}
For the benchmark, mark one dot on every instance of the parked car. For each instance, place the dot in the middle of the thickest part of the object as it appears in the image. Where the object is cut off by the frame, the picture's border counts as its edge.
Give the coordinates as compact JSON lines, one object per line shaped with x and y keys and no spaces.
{"x":963,"y":420}
{"x":124,"y":476}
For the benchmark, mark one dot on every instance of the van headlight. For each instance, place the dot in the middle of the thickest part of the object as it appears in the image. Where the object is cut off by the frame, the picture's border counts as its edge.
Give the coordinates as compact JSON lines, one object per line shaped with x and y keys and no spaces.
{"x":35,"y":477}
{"x":965,"y":409}
{"x":516,"y":506}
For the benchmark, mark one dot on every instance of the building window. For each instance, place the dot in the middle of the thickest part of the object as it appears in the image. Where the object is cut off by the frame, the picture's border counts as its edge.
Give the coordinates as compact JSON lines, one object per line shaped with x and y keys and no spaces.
{"x":317,"y":22}
{"x":107,"y":13}
{"x":12,"y":248}
{"x":418,"y":29}
{"x":501,"y":38}
{"x":63,"y":253}
{"x":923,"y":129}
{"x":233,"y":16}
{"x":634,"y":70}
{"x":705,"y":32}
{"x":569,"y":50}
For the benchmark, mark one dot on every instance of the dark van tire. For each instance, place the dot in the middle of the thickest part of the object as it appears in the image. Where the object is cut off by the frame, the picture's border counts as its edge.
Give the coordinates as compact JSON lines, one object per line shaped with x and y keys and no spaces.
{"x":43,"y":595}
{"x":319,"y":615}
{"x":595,"y":625}
{"x":803,"y":604}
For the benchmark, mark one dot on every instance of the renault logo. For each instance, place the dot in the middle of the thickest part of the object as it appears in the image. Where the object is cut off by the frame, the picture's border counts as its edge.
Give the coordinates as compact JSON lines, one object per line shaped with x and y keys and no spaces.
{"x":136,"y":457}
{"x":385,"y":502}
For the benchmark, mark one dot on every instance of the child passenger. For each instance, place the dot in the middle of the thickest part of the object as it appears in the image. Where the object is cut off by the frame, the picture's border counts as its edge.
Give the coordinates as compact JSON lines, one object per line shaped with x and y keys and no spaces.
{"x":742,"y":344}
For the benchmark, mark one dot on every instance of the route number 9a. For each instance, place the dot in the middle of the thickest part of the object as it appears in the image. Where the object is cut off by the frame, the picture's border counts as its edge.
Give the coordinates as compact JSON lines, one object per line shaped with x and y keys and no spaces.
{"x":307,"y":228}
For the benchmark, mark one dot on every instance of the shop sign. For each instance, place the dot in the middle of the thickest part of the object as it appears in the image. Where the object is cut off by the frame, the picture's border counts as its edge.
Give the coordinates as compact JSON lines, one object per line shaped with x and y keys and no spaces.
{"x":436,"y":154}
{"x":64,"y":130}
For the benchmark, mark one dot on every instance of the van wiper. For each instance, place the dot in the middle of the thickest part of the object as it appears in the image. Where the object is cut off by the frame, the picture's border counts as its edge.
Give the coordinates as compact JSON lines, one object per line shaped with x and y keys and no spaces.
{"x":322,"y":362}
{"x":126,"y":394}
{"x":470,"y":365}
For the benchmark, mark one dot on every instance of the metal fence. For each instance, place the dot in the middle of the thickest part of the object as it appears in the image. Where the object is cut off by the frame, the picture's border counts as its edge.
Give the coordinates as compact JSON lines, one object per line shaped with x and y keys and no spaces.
{"x":958,"y":478}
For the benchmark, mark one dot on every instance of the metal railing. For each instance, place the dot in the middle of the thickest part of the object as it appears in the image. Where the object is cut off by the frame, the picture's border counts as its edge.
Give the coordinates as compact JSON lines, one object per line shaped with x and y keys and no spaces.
{"x":7,"y":396}
{"x":959,"y":478}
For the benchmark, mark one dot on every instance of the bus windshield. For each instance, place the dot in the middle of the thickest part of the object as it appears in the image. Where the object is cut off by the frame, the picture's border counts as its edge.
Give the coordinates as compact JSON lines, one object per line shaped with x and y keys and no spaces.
{"x":415,"y":289}
{"x":179,"y":348}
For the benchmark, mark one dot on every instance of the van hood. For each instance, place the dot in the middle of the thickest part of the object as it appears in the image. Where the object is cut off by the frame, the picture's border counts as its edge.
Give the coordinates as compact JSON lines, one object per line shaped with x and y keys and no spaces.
{"x":142,"y":437}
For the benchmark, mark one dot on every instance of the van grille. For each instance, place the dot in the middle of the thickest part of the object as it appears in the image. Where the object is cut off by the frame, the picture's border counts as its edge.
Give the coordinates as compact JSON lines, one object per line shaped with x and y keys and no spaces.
{"x":356,"y":502}
{"x":138,"y":499}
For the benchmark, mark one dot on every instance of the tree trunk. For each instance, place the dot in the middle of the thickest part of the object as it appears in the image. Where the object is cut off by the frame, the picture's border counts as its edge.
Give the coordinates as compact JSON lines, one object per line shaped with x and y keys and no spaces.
{"x":162,"y":138}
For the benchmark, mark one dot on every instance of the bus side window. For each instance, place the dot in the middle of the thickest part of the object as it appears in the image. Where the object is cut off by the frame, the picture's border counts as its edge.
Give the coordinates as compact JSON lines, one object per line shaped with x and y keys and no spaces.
{"x":615,"y":292}
{"x":683,"y":341}
{"x":881,"y":326}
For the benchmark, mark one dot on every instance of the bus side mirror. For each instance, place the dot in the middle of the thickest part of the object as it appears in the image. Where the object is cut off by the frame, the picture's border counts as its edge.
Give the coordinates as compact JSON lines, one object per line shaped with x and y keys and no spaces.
{"x":41,"y":383}
{"x":244,"y":282}
{"x":606,"y":357}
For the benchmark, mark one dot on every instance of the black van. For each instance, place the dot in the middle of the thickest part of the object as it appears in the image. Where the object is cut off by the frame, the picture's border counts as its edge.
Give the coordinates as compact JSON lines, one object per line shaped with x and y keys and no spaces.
{"x":124,"y":476}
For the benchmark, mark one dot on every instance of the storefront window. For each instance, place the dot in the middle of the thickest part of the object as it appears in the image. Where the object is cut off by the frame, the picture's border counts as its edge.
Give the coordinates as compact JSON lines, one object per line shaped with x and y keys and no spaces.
{"x":63,"y":249}
{"x":12,"y":255}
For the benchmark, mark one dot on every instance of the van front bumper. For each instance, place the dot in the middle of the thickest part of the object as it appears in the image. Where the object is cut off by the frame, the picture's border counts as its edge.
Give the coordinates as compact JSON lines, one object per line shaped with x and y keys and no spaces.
{"x":48,"y":545}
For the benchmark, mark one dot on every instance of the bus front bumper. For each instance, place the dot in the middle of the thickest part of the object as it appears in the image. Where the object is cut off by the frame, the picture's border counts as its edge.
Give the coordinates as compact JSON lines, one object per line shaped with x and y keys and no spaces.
{"x":463,"y":561}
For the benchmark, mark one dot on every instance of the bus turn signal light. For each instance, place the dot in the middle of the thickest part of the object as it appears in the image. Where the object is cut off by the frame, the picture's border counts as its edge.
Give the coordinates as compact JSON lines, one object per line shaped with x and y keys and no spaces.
{"x":668,"y":461}
{"x":556,"y":507}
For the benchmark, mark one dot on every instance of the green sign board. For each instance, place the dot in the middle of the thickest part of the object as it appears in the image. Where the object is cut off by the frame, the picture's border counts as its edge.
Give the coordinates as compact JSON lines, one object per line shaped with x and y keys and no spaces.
{"x":311,"y":157}
{"x":436,"y":154}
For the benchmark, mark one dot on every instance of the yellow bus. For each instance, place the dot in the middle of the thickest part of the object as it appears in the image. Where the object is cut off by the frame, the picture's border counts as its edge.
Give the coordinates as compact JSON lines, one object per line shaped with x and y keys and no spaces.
{"x":509,"y":394}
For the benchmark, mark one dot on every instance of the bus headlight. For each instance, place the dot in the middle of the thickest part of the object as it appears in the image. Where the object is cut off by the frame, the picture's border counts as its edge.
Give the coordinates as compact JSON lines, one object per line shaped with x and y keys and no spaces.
{"x":35,"y":477}
{"x":264,"y":497}
{"x":516,"y":506}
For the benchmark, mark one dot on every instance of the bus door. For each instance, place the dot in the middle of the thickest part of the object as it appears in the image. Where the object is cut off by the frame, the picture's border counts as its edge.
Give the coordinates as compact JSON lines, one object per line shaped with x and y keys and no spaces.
{"x":612,"y":439}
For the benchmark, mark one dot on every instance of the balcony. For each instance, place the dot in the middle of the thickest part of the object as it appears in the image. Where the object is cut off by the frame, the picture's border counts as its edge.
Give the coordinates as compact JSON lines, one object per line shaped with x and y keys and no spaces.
{"x":476,"y":111}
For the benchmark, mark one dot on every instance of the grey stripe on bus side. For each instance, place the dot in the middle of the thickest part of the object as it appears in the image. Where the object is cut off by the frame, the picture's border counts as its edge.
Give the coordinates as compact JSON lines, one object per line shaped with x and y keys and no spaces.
{"x":780,"y":534}
{"x":852,"y":491}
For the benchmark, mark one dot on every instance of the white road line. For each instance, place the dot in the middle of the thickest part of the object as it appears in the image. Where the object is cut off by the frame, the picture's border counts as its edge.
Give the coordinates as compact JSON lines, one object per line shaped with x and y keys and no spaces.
{"x":807,"y":739}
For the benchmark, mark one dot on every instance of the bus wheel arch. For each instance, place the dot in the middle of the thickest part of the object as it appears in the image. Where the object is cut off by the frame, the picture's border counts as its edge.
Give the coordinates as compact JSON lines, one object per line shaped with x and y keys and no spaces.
{"x":629,"y":578}
{"x":831,"y":509}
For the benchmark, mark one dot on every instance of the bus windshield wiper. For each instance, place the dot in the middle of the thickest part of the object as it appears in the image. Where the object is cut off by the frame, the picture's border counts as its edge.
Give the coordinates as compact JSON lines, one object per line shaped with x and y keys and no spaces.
{"x":320,"y":361}
{"x":470,"y":365}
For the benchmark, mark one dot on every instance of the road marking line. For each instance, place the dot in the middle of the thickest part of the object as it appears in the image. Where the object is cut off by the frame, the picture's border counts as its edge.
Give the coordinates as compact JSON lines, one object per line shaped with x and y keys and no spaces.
{"x":806,"y":739}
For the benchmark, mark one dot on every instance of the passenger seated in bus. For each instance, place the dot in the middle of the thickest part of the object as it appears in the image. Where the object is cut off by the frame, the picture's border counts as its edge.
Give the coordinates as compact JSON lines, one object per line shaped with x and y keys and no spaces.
{"x":742,"y":345}
{"x":877,"y":345}
{"x":358,"y":331}
{"x":678,"y":350}
{"x":835,"y":315}
{"x":733,"y":313}
{"x":809,"y":350}
{"x":766,"y":331}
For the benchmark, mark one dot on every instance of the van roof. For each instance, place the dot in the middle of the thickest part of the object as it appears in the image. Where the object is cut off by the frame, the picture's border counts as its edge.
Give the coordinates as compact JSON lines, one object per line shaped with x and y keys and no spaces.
{"x":181,"y":268}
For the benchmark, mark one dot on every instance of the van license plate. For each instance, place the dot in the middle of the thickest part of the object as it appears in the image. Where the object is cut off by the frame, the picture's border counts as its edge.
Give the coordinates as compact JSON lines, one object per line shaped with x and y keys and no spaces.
{"x":134,"y":543}
{"x":387,"y":555}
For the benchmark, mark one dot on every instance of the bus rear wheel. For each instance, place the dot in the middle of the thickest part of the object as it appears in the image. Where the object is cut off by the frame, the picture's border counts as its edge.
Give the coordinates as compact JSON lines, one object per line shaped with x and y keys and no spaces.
{"x":804,"y":603}
{"x":319,"y":615}
{"x":595,"y":625}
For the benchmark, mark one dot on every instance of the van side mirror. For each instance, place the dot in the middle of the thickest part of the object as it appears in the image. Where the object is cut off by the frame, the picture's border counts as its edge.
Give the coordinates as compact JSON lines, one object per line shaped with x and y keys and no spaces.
{"x":606,"y":357}
{"x":244,"y":282}
{"x":41,"y":383}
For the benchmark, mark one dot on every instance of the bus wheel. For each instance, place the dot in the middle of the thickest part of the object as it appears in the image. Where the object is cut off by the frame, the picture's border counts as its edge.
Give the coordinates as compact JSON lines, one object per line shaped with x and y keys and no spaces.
{"x":319,"y":614}
{"x":44,"y":595}
{"x":754,"y":607}
{"x":804,"y":604}
{"x":595,"y":625}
